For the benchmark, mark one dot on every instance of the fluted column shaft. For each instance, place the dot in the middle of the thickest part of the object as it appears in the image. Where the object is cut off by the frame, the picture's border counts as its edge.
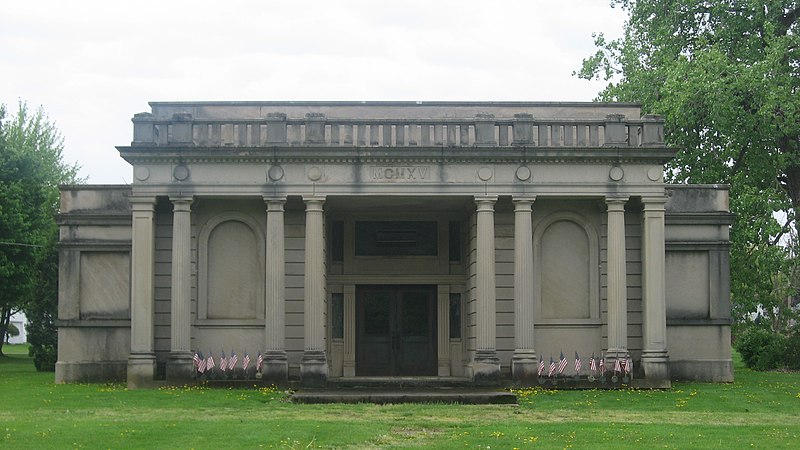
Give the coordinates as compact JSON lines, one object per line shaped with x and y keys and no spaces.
{"x":524,"y":361}
{"x":314,"y":368}
{"x":655,"y":360}
{"x":486,"y":365}
{"x":274,"y":287}
{"x":275,"y":363}
{"x":617,"y":280}
{"x":141,"y":363}
{"x":179,"y":366}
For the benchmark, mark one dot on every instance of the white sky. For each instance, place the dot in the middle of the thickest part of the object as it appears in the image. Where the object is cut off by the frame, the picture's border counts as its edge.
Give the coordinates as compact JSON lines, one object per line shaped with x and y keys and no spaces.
{"x":93,"y":64}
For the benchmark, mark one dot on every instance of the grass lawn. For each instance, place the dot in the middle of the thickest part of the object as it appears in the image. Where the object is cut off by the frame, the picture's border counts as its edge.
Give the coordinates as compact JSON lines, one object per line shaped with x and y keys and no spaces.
{"x":760,"y":410}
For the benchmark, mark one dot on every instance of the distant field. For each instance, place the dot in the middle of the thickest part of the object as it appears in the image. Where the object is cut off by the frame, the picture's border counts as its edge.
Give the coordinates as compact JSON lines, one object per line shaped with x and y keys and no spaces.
{"x":760,"y":410}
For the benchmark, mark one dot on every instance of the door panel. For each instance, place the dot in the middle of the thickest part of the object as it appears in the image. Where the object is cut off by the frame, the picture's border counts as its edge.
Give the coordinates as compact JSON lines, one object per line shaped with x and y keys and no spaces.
{"x":396,"y":330}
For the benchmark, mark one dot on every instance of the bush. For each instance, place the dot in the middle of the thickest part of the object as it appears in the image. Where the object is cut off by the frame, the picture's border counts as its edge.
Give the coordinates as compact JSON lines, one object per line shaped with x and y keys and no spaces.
{"x":792,"y":354}
{"x":762,"y":349}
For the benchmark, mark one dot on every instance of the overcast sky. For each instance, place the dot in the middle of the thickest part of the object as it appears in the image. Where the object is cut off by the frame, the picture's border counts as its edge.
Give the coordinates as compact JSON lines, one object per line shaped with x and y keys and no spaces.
{"x":93,"y":64}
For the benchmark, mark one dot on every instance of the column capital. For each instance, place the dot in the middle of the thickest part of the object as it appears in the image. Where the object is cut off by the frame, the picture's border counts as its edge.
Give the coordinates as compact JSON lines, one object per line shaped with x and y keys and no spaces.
{"x":523,"y":202}
{"x":314,"y":202}
{"x":181,"y":203}
{"x":485,"y":202}
{"x":274,"y":203}
{"x":654,"y":203}
{"x":616,"y":203}
{"x":142,"y":203}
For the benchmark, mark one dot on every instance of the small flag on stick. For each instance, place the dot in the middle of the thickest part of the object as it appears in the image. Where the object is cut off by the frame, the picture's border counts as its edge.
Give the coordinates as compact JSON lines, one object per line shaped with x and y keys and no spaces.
{"x":201,"y":363}
{"x":259,"y":362}
{"x":593,"y":364}
{"x":223,"y":362}
{"x":602,"y":365}
{"x":578,"y":363}
{"x":628,"y":366}
{"x":552,"y":368}
{"x":232,"y":360}
{"x":245,"y":361}
{"x":617,"y":366}
{"x":210,"y":361}
{"x":562,"y":363}
{"x":541,"y":367}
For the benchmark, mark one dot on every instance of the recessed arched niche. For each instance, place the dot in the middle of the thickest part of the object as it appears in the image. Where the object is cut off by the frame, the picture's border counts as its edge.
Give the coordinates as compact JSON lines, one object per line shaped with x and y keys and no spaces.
{"x":231,"y":278}
{"x":566,"y":269}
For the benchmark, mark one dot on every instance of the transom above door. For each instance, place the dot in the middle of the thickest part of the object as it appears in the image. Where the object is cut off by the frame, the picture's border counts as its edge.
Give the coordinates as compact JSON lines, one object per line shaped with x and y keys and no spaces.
{"x":395,"y":330}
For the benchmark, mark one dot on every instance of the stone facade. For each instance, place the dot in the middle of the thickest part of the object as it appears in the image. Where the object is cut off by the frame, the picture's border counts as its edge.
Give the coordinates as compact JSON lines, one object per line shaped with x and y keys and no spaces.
{"x":346,"y":239}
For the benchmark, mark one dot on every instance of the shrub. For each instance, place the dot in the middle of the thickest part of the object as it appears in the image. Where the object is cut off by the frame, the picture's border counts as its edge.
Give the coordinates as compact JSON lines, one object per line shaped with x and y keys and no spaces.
{"x":792,"y":355}
{"x":762,"y":349}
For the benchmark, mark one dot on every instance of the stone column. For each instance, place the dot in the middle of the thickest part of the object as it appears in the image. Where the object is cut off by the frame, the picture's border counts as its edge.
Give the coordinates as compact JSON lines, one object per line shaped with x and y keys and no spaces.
{"x":523,"y":363}
{"x":142,"y":360}
{"x":443,"y":330}
{"x":617,"y":281}
{"x":655,"y":360}
{"x":485,"y":365}
{"x":349,"y":363}
{"x":314,"y":365}
{"x":179,"y":365}
{"x":275,"y":367}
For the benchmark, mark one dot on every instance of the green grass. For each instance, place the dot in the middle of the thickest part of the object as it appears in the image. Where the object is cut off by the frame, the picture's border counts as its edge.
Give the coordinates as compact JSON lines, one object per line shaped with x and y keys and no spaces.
{"x":759,"y":410}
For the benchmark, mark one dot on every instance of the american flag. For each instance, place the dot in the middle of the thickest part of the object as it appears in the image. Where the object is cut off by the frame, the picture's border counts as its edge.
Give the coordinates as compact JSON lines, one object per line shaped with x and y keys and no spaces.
{"x":602,"y":364}
{"x":233,"y":360}
{"x":617,"y":366}
{"x":593,"y":364}
{"x":629,"y":366}
{"x":245,"y":361}
{"x":223,"y":362}
{"x":210,"y":361}
{"x":562,"y":364}
{"x":578,"y":363}
{"x":541,"y":367}
{"x":201,"y":363}
{"x":259,"y":361}
{"x":552,"y":369}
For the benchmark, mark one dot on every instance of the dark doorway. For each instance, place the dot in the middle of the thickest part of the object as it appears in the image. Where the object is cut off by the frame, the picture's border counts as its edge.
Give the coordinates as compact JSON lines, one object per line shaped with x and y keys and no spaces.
{"x":395,"y":330}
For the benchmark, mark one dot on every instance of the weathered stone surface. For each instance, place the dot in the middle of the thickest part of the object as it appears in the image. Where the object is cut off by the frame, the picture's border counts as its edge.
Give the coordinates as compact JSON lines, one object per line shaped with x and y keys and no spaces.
{"x":583,"y":270}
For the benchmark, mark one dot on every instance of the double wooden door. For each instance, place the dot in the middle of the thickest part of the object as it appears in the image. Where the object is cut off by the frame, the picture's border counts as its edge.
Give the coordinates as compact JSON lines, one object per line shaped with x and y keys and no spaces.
{"x":395,"y":330}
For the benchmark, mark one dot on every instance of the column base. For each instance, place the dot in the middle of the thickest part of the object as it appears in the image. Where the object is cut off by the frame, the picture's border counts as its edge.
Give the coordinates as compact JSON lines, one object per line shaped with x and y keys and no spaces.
{"x":314,"y":369}
{"x":276,"y":367}
{"x":141,"y":370}
{"x":485,"y":368}
{"x":180,"y":367}
{"x":655,"y":364}
{"x":349,"y":369}
{"x":525,"y":368}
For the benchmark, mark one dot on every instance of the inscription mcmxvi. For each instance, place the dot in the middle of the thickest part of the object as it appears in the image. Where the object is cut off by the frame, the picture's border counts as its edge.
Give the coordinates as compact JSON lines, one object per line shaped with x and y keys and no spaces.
{"x":400,"y":173}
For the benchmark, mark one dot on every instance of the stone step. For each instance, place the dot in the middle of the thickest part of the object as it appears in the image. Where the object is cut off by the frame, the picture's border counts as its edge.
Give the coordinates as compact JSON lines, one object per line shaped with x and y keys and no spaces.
{"x":469,"y":396}
{"x":399,"y":382}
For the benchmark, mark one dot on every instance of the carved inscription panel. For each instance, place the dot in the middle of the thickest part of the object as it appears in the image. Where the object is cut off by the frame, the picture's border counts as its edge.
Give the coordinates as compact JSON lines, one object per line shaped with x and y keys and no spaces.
{"x":400,"y":173}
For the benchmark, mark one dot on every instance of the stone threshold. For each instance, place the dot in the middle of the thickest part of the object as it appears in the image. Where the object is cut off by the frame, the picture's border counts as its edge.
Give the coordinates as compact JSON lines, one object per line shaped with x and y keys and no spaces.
{"x":382,"y":396}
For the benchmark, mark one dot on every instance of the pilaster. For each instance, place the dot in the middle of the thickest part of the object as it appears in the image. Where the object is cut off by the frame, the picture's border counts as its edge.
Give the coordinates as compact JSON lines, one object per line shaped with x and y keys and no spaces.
{"x":485,"y":365}
{"x":524,"y":362}
{"x":655,"y":360}
{"x":179,"y":365}
{"x":142,"y":359}
{"x":275,"y":363}
{"x":314,"y":365}
{"x":617,"y":281}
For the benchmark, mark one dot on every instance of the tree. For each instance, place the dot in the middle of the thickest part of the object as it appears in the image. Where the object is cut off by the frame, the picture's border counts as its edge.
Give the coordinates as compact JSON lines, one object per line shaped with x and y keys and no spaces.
{"x":725,"y":75}
{"x":31,"y":169}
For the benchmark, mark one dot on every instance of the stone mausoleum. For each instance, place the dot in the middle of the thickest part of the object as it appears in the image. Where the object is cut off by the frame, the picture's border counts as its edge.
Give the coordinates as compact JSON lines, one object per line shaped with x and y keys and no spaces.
{"x":467,"y":240}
